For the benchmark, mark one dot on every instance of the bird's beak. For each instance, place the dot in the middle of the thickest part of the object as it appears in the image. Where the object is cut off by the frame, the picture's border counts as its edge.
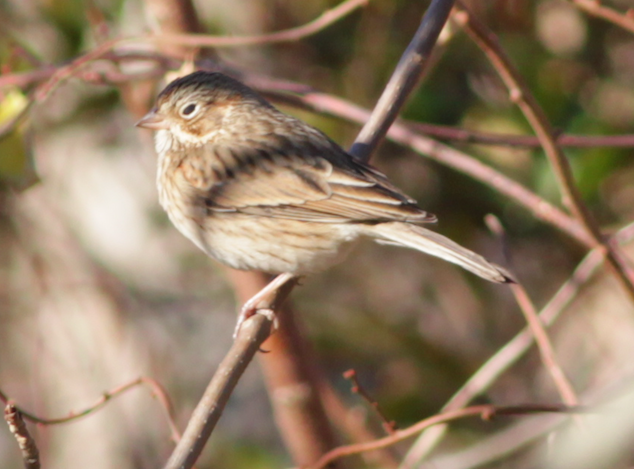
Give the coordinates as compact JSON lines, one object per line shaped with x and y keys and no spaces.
{"x":153,"y":121}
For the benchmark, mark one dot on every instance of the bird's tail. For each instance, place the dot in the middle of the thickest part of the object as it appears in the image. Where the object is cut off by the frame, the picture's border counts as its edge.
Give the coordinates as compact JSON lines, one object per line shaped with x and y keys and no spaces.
{"x":430,"y":242}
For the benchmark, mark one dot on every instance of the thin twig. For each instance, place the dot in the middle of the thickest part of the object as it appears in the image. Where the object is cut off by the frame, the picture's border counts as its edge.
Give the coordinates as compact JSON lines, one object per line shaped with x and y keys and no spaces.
{"x":193,"y":40}
{"x":26,"y":443}
{"x":494,"y":448}
{"x":520,"y":94}
{"x":462,"y":135}
{"x":405,"y":77}
{"x":544,"y":345}
{"x":388,"y":425}
{"x":23,"y":80}
{"x":293,"y":34}
{"x":537,"y":327}
{"x":157,"y":391}
{"x":594,"y":8}
{"x":354,"y":425}
{"x":486,"y":412}
{"x":510,"y":353}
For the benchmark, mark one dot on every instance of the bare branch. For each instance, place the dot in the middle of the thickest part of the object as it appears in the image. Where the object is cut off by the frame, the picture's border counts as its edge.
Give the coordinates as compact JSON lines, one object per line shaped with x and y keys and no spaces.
{"x":520,"y":94}
{"x":288,"y":35}
{"x":508,"y":355}
{"x":486,"y":412}
{"x":405,"y":77}
{"x":210,"y":407}
{"x":353,"y":423}
{"x":157,"y":391}
{"x":545,"y":346}
{"x":538,"y":329}
{"x":292,"y":379}
{"x":30,"y":454}
{"x":594,"y":8}
{"x":462,"y":135}
{"x":388,"y":425}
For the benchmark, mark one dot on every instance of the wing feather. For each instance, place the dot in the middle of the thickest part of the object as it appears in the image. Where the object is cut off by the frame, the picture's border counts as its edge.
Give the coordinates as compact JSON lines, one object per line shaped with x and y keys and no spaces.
{"x":318,"y":186}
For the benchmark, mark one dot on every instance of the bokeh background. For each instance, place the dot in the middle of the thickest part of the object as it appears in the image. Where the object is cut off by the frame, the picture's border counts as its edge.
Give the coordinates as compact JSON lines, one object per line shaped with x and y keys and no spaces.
{"x":97,"y":288}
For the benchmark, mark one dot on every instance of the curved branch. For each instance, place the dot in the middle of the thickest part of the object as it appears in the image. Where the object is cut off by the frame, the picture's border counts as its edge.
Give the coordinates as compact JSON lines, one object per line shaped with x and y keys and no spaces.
{"x":156,"y":388}
{"x":293,"y":34}
{"x":520,"y":94}
{"x":486,"y":412}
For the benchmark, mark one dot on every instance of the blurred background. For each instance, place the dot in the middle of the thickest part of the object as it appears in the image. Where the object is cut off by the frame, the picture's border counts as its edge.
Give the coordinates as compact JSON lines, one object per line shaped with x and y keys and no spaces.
{"x":97,"y":288}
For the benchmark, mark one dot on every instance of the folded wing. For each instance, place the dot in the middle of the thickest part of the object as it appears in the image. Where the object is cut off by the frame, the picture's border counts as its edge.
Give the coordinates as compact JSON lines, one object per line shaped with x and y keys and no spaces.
{"x":311,"y":187}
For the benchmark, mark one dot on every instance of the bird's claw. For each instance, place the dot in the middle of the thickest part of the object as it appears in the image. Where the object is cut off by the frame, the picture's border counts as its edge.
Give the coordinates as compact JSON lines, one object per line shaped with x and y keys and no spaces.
{"x":249,"y":310}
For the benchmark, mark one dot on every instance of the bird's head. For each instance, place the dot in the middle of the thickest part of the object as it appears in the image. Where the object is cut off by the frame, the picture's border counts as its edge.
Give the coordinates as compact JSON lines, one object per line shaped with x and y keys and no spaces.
{"x":197,"y":108}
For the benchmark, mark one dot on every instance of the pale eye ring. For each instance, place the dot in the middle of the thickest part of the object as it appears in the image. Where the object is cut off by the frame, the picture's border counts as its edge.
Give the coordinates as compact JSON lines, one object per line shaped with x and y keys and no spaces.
{"x":189,"y":110}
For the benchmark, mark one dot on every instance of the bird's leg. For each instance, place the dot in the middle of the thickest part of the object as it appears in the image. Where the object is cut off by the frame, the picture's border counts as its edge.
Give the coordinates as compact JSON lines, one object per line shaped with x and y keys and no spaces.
{"x":264,"y":301}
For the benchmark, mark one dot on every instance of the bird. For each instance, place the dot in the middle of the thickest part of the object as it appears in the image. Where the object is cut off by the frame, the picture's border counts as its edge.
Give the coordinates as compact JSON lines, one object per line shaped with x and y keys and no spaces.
{"x":260,"y":190}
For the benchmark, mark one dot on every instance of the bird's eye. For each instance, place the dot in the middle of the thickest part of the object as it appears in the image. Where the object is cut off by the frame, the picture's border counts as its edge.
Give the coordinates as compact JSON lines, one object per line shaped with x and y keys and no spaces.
{"x":188,"y":111}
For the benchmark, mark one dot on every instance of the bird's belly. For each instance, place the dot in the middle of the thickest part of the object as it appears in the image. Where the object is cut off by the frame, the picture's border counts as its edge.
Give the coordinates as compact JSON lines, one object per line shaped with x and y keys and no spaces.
{"x":275,"y":245}
{"x":270,"y":245}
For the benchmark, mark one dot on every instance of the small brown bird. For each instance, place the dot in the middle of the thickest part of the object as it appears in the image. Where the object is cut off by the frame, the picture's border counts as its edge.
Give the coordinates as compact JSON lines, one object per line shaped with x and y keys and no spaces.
{"x":260,"y":190}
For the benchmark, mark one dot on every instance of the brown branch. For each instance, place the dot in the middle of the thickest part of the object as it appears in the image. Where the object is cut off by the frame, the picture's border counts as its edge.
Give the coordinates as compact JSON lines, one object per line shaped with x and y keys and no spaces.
{"x":388,"y":425}
{"x":594,"y":8}
{"x":293,"y":34}
{"x":250,"y":338}
{"x":498,"y":446}
{"x":62,"y":73}
{"x":353,"y":424}
{"x":455,"y":134}
{"x":292,"y":379}
{"x":157,"y":391}
{"x":461,"y":135}
{"x":65,"y":72}
{"x":544,"y":345}
{"x":510,"y":353}
{"x":537,"y":327}
{"x":520,"y":94}
{"x":26,"y":443}
{"x":486,"y":412}
{"x":403,"y":80}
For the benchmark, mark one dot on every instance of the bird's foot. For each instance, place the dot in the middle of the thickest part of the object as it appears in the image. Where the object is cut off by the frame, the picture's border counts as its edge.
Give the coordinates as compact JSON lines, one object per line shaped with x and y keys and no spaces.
{"x":250,"y":309}
{"x":266,"y":300}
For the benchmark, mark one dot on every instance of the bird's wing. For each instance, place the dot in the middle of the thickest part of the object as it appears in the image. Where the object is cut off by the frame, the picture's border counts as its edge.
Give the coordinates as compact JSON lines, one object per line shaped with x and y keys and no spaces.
{"x":283,"y":184}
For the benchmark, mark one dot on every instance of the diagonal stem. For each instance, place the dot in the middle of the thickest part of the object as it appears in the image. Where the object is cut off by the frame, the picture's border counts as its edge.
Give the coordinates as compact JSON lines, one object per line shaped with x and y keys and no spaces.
{"x":534,"y":114}
{"x":405,"y":77}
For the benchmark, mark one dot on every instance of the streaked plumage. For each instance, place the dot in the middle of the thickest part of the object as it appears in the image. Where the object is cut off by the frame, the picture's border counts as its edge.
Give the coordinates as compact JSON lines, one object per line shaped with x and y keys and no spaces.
{"x":260,"y":190}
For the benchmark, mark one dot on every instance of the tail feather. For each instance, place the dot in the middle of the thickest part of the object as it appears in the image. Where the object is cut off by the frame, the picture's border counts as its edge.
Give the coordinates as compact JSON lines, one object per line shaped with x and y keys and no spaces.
{"x":430,"y":242}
